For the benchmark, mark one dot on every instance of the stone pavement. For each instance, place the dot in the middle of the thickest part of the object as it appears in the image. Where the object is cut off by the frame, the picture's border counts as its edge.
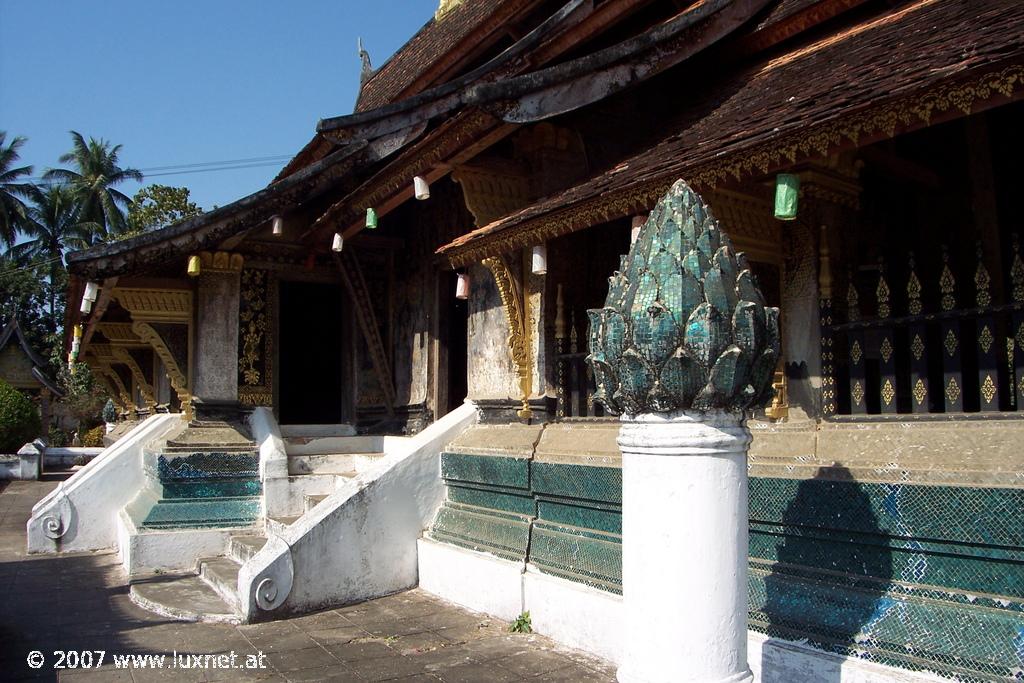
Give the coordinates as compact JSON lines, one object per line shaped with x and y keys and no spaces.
{"x":80,"y":602}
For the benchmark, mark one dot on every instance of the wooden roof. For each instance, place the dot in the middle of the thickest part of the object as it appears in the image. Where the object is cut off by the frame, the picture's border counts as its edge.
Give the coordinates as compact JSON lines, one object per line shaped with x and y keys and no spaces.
{"x":898,"y":70}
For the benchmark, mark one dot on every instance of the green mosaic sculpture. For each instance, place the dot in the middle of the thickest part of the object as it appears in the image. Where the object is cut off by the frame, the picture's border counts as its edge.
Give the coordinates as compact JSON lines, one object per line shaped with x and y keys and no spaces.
{"x":685,"y":326}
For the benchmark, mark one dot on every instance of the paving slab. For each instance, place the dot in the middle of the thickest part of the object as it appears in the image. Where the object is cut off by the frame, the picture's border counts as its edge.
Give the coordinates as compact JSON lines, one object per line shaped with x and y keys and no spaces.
{"x":81,"y":601}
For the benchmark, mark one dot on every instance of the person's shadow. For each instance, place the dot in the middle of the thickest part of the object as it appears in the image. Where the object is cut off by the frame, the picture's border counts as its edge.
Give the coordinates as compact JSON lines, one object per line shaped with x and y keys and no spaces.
{"x":829,"y":584}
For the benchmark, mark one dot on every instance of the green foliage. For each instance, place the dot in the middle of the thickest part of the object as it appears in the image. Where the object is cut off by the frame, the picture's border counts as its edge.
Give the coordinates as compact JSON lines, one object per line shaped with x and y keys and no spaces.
{"x":94,"y":437}
{"x":25,"y":292}
{"x":521,"y":624}
{"x":12,"y":209}
{"x":19,"y":419}
{"x":84,"y":396}
{"x":156,"y":206}
{"x":93,"y":182}
{"x":57,"y":437}
{"x":109,"y":411}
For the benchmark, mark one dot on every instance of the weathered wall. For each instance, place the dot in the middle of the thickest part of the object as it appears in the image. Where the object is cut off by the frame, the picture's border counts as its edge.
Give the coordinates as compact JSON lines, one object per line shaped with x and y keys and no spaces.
{"x":215,"y":377}
{"x":492,"y":375}
{"x":16,"y":368}
{"x":892,"y":543}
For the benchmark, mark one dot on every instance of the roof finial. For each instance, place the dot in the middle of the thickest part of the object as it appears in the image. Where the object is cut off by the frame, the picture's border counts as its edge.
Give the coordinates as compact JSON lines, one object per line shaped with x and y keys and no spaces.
{"x":367,"y":69}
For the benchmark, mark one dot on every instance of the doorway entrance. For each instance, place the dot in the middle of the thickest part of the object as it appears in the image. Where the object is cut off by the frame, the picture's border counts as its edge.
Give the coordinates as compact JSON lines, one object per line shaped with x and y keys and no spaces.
{"x":311,"y":354}
{"x":452,"y":348}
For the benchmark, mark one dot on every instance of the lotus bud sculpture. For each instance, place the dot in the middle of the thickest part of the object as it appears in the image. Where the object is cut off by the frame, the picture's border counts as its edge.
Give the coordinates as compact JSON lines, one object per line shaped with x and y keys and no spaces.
{"x":684,"y":326}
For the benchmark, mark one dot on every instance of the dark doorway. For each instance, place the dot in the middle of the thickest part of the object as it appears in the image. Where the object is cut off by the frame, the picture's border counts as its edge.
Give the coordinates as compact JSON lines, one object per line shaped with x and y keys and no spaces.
{"x":453,"y":354}
{"x":311,"y":354}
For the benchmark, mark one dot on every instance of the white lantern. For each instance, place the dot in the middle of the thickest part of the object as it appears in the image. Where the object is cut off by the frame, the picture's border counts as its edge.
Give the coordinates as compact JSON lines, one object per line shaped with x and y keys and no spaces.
{"x":539,"y":260}
{"x":339,"y":242}
{"x":91,"y":291}
{"x":462,"y":286}
{"x":277,"y":226}
{"x":86,"y":306}
{"x":421,"y":188}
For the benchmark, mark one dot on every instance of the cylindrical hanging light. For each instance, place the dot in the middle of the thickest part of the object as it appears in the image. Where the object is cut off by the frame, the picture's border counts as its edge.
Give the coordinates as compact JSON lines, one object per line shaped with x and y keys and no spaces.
{"x":421,"y":188}
{"x":86,"y":306}
{"x":91,"y":291}
{"x":193,"y":266}
{"x":77,"y":331}
{"x":371,"y":218}
{"x":638,"y":223}
{"x":277,"y":226}
{"x":75,"y":346}
{"x":787,"y":190}
{"x":462,"y":286}
{"x":539,"y":260}
{"x":339,"y":242}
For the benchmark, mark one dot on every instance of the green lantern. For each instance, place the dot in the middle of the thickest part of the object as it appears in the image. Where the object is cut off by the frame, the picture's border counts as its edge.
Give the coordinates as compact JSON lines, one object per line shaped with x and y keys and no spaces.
{"x":787,"y":190}
{"x":371,"y":218}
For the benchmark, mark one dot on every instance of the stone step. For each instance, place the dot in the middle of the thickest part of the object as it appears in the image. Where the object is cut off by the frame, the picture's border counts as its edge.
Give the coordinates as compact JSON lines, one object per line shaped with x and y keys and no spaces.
{"x":322,"y":445}
{"x":278,"y":525}
{"x":310,"y":502}
{"x":183,"y":598}
{"x":346,"y":464}
{"x":221,"y":573}
{"x":242,"y":548}
{"x":194,"y":513}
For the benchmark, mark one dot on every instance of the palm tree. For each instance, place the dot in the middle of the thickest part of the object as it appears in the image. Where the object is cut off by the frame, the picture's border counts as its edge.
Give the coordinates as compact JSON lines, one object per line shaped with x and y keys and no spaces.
{"x":53,"y":225}
{"x":12,"y":209}
{"x":93,"y":180}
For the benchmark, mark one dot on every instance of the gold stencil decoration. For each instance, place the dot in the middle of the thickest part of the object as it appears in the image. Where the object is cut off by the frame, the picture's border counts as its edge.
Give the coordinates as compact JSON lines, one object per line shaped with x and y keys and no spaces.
{"x":982,"y":281}
{"x":952,"y":390}
{"x":886,"y":350}
{"x":913,"y":290}
{"x":920,"y":392}
{"x":852,"y":302}
{"x":857,"y":393}
{"x":1019,"y":337}
{"x":888,"y":392}
{"x":988,"y":389}
{"x":1017,"y":273}
{"x":947,"y":283}
{"x":1020,"y":385}
{"x":855,"y":352}
{"x":985,"y":339}
{"x":917,"y":347}
{"x":882,"y":292}
{"x":950,"y":343}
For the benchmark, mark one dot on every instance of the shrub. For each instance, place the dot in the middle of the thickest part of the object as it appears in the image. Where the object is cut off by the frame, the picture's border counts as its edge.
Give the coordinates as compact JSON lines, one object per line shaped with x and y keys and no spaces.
{"x":19,"y":419}
{"x":94,"y":437}
{"x":109,"y":411}
{"x":58,"y":437}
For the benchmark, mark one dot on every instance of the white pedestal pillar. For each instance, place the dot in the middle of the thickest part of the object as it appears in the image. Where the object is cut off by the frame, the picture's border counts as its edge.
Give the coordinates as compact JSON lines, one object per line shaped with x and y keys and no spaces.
{"x":684,"y":548}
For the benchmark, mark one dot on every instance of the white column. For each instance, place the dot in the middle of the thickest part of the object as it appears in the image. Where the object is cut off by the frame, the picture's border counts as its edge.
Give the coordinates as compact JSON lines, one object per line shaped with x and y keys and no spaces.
{"x":684,"y":547}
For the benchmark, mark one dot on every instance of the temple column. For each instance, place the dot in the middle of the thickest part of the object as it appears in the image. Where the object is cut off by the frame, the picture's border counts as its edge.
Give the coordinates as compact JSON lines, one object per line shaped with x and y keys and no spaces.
{"x":684,"y":547}
{"x":683,"y":348}
{"x":215,"y":372}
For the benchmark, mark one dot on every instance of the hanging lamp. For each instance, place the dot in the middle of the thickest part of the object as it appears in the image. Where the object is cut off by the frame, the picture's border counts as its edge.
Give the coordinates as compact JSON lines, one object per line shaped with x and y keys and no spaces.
{"x":462,"y":286}
{"x":539,"y":260}
{"x":420,"y":188}
{"x":787,"y":191}
{"x":371,"y":218}
{"x":193,"y":266}
{"x":339,"y":242}
{"x":277,"y":226}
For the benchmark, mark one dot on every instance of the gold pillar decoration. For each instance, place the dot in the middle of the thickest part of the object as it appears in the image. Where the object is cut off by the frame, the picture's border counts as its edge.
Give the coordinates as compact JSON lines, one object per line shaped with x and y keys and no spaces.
{"x":510,"y":287}
{"x":178,"y":379}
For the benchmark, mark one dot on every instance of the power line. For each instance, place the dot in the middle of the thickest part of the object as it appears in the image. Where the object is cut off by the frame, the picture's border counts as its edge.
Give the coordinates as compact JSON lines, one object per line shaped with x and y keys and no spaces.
{"x":31,"y":265}
{"x":199,"y":167}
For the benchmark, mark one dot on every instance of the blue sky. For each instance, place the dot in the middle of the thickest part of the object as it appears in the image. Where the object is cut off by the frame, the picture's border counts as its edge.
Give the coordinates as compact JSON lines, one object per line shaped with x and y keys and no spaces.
{"x":186,"y":81}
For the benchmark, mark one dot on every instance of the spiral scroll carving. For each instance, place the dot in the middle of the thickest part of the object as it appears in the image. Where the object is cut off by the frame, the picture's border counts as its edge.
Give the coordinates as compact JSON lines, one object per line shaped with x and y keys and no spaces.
{"x":274,"y":583}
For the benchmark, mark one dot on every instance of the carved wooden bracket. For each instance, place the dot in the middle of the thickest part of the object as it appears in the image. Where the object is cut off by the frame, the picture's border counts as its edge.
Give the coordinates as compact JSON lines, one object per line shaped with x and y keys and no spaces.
{"x":114,"y":384}
{"x":510,"y":287}
{"x":177,"y":376}
{"x":494,"y":190}
{"x":122,"y":356}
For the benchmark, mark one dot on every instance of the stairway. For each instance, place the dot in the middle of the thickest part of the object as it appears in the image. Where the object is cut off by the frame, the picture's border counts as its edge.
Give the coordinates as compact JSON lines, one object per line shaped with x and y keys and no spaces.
{"x":210,"y":594}
{"x":215,"y":474}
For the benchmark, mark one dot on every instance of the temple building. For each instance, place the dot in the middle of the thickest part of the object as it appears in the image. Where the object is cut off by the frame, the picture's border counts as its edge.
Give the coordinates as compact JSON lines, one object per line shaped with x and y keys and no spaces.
{"x":417,"y":281}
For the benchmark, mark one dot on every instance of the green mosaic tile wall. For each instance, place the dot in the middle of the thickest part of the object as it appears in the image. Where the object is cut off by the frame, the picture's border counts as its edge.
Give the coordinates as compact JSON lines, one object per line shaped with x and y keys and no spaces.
{"x":921,"y":577}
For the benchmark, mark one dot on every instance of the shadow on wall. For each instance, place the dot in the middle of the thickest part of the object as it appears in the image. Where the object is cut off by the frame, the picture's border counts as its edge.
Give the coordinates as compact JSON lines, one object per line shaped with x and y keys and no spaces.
{"x":833,"y":566}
